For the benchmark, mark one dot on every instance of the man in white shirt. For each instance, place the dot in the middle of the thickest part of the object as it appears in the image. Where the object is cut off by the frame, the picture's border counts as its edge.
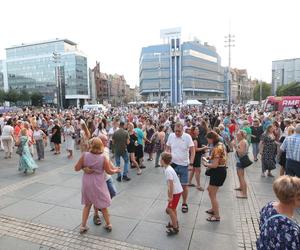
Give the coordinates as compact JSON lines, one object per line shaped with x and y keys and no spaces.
{"x":181,"y":146}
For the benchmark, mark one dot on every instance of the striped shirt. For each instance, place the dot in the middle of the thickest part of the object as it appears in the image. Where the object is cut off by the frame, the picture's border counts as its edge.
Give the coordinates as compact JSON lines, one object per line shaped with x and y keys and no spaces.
{"x":291,"y":145}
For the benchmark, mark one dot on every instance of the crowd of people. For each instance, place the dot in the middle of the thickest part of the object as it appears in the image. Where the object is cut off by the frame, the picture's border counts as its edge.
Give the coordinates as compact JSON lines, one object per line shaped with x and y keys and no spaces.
{"x":182,"y":141}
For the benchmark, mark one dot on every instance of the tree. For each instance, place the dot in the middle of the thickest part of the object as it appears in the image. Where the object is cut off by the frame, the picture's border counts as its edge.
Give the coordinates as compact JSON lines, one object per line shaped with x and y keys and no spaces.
{"x":24,"y":96}
{"x":266,"y":91}
{"x":2,"y":96}
{"x":36,"y":99}
{"x":12,"y":96}
{"x":291,"y":89}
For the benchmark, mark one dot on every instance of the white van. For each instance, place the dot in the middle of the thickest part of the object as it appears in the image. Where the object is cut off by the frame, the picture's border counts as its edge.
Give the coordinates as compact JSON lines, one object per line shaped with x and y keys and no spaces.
{"x":94,"y":107}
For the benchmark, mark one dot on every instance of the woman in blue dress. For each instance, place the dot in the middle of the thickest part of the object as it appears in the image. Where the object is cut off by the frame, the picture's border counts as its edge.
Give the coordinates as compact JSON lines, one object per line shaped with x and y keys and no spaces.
{"x":26,"y":163}
{"x":278,"y":229}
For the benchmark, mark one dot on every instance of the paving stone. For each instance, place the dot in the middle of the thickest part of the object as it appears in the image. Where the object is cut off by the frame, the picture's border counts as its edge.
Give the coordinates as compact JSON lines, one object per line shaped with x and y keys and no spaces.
{"x":26,"y":209}
{"x":212,"y":241}
{"x":62,"y":217}
{"x":154,"y":235}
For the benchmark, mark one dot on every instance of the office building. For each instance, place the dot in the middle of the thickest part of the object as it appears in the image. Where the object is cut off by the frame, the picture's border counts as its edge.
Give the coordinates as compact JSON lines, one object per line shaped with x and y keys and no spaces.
{"x":40,"y":66}
{"x":284,"y":72}
{"x":174,"y":71}
{"x":1,"y":74}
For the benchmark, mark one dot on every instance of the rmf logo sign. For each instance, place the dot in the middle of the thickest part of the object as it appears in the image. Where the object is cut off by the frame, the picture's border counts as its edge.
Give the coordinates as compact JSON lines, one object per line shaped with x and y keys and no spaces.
{"x":290,"y":102}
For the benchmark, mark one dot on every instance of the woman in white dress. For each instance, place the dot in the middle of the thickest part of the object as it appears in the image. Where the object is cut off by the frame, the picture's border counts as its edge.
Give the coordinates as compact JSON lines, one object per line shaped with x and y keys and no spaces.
{"x":7,"y":138}
{"x":69,"y":135}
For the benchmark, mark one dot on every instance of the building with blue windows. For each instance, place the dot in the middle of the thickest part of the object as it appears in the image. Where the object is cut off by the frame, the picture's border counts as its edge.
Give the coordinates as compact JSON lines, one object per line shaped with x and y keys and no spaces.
{"x":34,"y":68}
{"x":178,"y":72}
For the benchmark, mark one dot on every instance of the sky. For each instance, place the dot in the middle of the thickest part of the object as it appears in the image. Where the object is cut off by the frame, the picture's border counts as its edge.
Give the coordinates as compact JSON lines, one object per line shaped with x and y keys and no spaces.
{"x":114,"y":31}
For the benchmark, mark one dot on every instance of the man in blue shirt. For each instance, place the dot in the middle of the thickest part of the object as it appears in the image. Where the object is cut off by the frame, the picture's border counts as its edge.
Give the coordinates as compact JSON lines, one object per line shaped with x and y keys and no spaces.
{"x":291,"y":145}
{"x":139,"y":148}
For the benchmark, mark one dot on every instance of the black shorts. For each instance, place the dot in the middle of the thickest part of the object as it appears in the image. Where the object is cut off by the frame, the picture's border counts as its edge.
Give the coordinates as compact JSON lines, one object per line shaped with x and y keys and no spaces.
{"x":139,"y":153}
{"x":218,"y":176}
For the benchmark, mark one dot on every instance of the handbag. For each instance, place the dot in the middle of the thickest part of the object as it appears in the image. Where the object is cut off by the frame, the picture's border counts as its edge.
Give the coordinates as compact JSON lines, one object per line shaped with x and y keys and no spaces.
{"x":208,"y":172}
{"x":19,"y":150}
{"x":245,"y":161}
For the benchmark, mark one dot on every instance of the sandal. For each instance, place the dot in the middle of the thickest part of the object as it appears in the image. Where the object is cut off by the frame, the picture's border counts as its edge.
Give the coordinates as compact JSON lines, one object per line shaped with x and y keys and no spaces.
{"x":184,"y":208}
{"x":238,"y":189}
{"x":170,"y":225}
{"x":172,"y":231}
{"x":191,"y":185}
{"x":83,"y":229}
{"x":200,"y":189}
{"x":209,"y":212}
{"x":108,"y":228}
{"x":97,"y":220}
{"x":241,"y":197}
{"x":213,"y":219}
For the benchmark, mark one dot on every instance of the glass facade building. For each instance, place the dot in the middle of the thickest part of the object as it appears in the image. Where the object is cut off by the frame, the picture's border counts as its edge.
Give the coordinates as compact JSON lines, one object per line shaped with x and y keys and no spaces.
{"x":284,"y":72}
{"x":181,"y":71}
{"x":33,"y":67}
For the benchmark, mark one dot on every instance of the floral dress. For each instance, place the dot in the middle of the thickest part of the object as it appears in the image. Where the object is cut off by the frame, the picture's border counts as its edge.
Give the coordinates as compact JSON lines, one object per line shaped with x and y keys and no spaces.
{"x":278,"y":232}
{"x":269,"y":153}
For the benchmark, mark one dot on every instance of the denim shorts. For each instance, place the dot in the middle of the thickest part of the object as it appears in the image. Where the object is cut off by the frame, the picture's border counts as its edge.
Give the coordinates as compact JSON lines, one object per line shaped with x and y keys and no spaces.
{"x":182,"y":172}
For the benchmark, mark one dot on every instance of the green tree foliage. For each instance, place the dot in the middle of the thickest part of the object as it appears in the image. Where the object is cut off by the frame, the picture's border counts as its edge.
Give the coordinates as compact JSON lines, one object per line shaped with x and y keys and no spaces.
{"x":266,"y":91}
{"x":24,"y":96}
{"x":36,"y":99}
{"x":2,"y":96}
{"x":12,"y":96}
{"x":291,"y":89}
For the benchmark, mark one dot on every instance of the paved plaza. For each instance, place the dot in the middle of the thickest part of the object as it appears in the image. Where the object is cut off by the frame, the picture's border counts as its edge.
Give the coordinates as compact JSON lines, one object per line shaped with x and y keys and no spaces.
{"x":43,"y":211}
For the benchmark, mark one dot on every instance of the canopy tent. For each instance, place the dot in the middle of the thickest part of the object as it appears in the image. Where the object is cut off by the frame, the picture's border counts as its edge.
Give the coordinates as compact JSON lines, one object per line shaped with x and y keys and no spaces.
{"x":193,"y":102}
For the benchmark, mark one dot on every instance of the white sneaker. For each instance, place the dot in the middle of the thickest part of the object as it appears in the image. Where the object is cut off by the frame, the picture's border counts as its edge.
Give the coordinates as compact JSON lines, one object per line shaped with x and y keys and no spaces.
{"x":139,"y":172}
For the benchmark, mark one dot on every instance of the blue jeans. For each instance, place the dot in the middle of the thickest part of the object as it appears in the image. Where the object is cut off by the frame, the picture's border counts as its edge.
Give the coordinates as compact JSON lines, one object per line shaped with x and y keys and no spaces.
{"x":126,"y":162}
{"x":111,"y":187}
{"x":292,"y":168}
{"x":255,"y":149}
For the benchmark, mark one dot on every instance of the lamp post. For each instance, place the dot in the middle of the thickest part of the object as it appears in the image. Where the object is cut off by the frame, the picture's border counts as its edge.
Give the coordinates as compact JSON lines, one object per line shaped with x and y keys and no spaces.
{"x":56,"y":59}
{"x":159,"y":83}
{"x":229,"y":42}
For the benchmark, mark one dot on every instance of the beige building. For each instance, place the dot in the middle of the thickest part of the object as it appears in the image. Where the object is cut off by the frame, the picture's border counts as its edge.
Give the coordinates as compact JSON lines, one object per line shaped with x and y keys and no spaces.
{"x":241,"y":86}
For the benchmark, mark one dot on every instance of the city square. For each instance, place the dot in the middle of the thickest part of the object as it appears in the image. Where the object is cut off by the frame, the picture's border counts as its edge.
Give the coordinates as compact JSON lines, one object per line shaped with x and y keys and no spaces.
{"x":168,"y":125}
{"x":47,"y":207}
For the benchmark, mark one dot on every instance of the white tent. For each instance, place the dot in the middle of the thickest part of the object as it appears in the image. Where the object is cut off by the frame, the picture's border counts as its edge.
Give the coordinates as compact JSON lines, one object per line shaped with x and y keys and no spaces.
{"x":193,"y":102}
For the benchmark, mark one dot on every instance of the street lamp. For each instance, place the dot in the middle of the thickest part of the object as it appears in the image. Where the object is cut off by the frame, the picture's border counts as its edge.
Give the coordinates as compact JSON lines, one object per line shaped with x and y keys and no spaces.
{"x":159,"y":83}
{"x":56,"y":59}
{"x":229,"y":42}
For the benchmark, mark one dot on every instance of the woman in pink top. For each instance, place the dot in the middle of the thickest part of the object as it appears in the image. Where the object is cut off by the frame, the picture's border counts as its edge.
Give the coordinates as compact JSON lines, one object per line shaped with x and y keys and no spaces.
{"x":94,"y":189}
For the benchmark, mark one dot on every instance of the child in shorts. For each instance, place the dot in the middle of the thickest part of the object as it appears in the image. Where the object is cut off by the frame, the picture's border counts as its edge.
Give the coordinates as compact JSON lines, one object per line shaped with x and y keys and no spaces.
{"x":174,"y":192}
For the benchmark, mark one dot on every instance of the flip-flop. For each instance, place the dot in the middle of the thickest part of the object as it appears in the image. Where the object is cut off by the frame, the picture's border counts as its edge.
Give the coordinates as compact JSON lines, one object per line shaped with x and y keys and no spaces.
{"x":200,"y":189}
{"x":241,"y":197}
{"x":191,"y":185}
{"x":238,"y":189}
{"x":213,"y":219}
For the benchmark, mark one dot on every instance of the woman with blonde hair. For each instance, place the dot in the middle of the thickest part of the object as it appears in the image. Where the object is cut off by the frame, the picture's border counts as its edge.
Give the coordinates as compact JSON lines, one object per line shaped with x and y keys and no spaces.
{"x":85,"y":135}
{"x":94,"y":189}
{"x":278,"y":230}
{"x":241,"y":146}
{"x":26,"y":162}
